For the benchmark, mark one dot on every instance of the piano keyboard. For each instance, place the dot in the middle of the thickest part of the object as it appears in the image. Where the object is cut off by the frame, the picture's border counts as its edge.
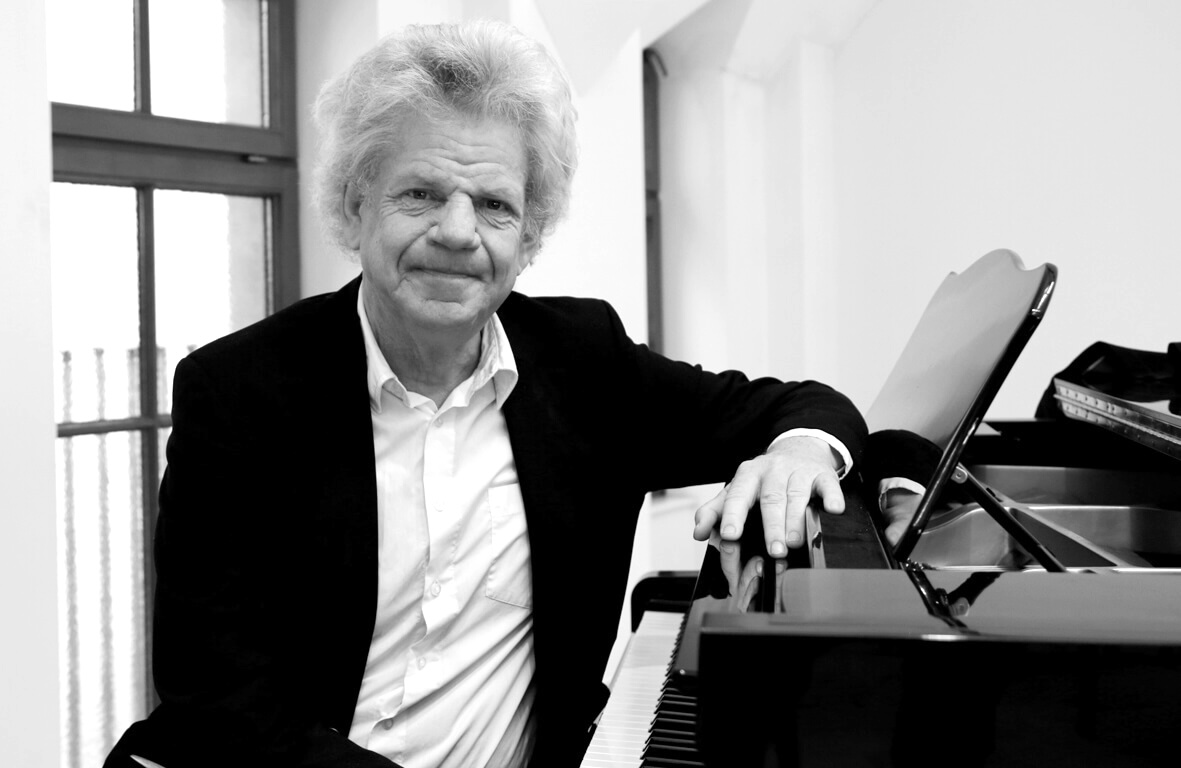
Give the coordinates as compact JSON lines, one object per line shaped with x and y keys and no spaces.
{"x":647,"y":722}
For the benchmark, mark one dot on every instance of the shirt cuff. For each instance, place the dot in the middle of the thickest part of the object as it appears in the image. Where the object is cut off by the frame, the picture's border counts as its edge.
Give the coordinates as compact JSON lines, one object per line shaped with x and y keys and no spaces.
{"x":891,"y":483}
{"x":819,"y":434}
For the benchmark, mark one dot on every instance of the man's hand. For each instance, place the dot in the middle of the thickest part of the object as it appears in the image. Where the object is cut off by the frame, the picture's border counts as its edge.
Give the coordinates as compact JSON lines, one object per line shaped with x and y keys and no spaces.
{"x":784,"y":481}
{"x":898,"y":506}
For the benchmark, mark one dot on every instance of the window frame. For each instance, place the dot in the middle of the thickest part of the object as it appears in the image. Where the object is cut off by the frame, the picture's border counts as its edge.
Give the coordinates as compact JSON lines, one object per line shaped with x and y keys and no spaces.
{"x":93,"y":145}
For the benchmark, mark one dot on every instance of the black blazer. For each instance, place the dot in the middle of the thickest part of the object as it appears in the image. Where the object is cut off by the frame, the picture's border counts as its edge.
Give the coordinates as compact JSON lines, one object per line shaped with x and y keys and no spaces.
{"x":266,"y":549}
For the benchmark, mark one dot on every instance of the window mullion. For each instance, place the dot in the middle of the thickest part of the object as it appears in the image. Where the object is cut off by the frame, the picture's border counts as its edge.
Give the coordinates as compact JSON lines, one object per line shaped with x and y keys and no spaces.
{"x":149,"y":406}
{"x":280,"y":76}
{"x":143,"y":58}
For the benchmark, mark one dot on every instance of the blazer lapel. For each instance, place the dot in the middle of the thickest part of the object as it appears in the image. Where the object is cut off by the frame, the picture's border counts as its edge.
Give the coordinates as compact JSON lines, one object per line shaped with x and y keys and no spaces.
{"x":345,"y":515}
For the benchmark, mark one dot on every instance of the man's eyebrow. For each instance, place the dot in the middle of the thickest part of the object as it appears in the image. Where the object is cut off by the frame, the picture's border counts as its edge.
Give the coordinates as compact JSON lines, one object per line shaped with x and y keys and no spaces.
{"x":415,"y":177}
{"x":506,"y":192}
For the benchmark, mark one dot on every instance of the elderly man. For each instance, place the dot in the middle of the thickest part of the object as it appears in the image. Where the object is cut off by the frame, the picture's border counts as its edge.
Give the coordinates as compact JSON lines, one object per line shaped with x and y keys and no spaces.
{"x":397,"y":520}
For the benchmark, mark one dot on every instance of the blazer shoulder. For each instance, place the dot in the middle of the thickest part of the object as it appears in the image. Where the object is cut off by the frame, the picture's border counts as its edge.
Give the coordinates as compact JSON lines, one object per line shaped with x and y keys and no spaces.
{"x":558,"y":318}
{"x":291,"y":333}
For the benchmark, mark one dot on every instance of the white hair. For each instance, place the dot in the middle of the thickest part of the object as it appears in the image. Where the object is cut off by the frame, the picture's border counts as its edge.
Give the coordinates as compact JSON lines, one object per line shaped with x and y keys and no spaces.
{"x":483,"y":69}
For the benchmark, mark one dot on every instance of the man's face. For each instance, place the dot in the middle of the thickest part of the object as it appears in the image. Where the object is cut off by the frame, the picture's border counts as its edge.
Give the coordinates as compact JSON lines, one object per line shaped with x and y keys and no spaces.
{"x":440,"y":231}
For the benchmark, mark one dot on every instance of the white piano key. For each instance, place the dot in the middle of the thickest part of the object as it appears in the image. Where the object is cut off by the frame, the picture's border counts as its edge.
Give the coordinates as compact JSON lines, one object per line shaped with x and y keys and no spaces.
{"x":622,"y":732}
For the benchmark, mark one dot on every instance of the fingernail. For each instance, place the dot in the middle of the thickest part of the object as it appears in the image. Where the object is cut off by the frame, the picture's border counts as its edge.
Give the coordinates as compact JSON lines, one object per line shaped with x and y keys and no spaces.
{"x":729,"y":530}
{"x":794,"y":538}
{"x":759,"y":567}
{"x":777,"y":549}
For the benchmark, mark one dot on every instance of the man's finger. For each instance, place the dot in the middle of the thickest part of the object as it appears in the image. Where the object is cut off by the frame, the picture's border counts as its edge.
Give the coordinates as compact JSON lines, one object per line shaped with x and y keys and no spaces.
{"x":773,"y":505}
{"x":895,"y":530}
{"x":740,"y":497}
{"x":799,"y":493}
{"x":748,"y":584}
{"x":730,"y":559}
{"x":828,"y":489}
{"x":707,"y":516}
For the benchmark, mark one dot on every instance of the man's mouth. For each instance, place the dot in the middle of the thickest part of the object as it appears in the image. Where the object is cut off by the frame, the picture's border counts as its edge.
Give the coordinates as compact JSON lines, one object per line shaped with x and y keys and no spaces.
{"x":445,"y":274}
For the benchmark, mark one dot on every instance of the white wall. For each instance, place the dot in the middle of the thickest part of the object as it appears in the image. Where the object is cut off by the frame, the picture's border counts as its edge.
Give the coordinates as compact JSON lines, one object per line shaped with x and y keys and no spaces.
{"x":29,"y":716}
{"x":892,"y":142}
{"x":747,"y":194}
{"x":1050,"y":128}
{"x":328,"y":36}
{"x":747,"y":158}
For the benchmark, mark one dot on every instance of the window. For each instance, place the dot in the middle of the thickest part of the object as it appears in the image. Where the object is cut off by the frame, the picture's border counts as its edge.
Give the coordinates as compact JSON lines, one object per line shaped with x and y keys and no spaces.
{"x":173,"y":222}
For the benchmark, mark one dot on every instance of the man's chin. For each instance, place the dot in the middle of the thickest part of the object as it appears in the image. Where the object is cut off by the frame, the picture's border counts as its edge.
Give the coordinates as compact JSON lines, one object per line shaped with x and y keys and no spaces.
{"x":439,"y":314}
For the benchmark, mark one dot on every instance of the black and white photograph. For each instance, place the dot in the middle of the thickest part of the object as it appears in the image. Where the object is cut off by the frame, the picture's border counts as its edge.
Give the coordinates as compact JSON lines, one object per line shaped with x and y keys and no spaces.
{"x":590,"y":383}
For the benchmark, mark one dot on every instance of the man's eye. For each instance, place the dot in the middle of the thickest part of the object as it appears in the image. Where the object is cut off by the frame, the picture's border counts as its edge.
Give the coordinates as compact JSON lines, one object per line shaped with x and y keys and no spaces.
{"x":496,"y":205}
{"x":418,"y":194}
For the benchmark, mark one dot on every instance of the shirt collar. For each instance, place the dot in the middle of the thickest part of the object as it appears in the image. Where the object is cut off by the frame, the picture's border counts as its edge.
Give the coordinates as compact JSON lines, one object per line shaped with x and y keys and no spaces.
{"x":497,"y":366}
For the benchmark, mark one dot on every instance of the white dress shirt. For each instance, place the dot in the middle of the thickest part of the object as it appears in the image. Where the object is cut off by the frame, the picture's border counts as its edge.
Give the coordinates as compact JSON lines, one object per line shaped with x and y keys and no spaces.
{"x":448,"y":681}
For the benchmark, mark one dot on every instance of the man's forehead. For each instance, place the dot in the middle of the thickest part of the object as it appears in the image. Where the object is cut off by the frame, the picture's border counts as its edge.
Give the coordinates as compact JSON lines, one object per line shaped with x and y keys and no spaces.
{"x":486,"y":152}
{"x":435,"y":168}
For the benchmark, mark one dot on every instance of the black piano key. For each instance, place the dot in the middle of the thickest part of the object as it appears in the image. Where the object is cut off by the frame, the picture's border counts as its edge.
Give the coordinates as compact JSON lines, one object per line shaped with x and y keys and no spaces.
{"x":674,"y":724}
{"x":682,"y":749}
{"x":672,"y":739}
{"x":672,"y":713}
{"x":678,"y":708}
{"x":671,"y":762}
{"x":678,"y":738}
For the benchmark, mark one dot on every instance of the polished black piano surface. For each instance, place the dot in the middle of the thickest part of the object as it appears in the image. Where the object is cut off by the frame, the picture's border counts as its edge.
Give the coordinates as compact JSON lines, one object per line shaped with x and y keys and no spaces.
{"x":1029,"y":615}
{"x":969,"y":653}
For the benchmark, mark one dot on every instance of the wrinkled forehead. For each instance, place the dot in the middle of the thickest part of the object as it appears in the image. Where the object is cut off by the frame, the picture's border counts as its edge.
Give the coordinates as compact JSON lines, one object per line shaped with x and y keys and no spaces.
{"x":459,"y":149}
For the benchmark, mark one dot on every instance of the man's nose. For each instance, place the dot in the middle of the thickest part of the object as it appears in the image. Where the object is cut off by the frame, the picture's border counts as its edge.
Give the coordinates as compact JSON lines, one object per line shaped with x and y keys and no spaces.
{"x":456,"y":228}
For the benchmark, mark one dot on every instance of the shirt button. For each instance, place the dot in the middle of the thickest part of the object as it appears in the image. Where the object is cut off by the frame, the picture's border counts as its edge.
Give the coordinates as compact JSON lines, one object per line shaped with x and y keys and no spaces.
{"x":387,"y":724}
{"x":421,"y":663}
{"x":438,"y":422}
{"x":436,"y":589}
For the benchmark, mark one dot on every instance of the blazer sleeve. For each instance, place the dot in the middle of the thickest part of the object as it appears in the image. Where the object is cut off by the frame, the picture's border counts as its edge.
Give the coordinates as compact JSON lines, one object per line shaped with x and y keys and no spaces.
{"x":228,"y":682}
{"x":699,"y":426}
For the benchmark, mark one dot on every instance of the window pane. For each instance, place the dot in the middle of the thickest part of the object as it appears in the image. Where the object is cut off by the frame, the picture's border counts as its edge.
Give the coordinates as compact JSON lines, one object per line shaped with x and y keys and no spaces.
{"x":95,"y":255}
{"x":91,"y":52}
{"x":207,"y":60}
{"x":100,"y":592}
{"x":211,"y":271}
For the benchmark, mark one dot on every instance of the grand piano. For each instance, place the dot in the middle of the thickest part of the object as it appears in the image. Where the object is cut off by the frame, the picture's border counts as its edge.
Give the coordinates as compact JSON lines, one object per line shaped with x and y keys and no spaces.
{"x":1030,"y":614}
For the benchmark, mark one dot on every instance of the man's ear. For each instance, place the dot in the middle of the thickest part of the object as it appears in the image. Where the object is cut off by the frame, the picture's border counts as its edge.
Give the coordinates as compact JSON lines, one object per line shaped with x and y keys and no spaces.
{"x":351,"y":229}
{"x":528,"y":252}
